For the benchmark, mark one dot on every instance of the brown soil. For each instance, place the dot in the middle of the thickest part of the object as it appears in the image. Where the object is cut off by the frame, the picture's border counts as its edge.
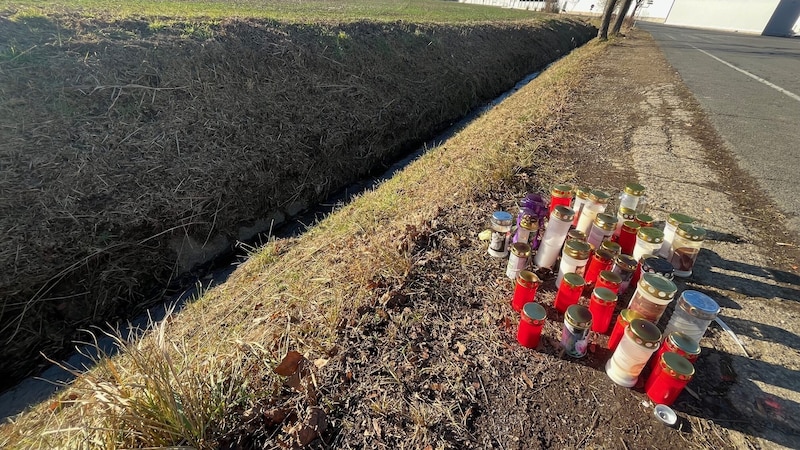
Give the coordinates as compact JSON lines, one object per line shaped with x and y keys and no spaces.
{"x":433,"y":363}
{"x":124,"y":149}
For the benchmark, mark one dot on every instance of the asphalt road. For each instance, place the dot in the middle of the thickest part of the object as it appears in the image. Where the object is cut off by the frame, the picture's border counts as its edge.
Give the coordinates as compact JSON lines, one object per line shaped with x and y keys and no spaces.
{"x":750,"y":87}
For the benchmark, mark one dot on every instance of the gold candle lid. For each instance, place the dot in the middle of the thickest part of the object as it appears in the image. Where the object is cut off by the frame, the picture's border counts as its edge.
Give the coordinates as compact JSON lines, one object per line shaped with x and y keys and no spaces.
{"x":598,"y":196}
{"x":634,"y":189}
{"x":527,"y":279}
{"x":612,"y":247}
{"x":651,"y":235}
{"x":577,"y":249}
{"x":682,"y":342}
{"x":676,"y":366}
{"x":606,"y":222}
{"x":626,"y":213}
{"x":521,"y":249}
{"x":582,"y":192}
{"x":658,"y":286}
{"x":564,"y":213}
{"x":578,"y":316}
{"x":676,"y":219}
{"x":644,"y":333}
{"x":561,"y":191}
{"x":605,"y":295}
{"x":573,"y":279}
{"x":610,"y":277}
{"x":691,"y":232}
{"x":644,"y":220}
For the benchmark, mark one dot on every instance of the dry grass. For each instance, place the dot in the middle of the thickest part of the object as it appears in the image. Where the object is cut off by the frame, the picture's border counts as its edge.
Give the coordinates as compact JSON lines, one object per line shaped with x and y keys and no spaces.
{"x":294,"y":294}
{"x":119,"y":142}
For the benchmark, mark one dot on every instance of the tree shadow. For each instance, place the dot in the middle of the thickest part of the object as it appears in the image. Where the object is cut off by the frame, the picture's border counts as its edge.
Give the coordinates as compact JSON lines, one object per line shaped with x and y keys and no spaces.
{"x":716,"y":394}
{"x":748,"y":279}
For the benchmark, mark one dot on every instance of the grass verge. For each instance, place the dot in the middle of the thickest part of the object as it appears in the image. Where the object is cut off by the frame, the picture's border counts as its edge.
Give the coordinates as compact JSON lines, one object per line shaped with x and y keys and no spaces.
{"x":185,"y":383}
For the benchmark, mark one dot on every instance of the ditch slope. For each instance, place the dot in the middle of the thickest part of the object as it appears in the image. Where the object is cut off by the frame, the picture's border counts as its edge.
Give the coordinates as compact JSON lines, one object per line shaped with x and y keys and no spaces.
{"x":132,"y":152}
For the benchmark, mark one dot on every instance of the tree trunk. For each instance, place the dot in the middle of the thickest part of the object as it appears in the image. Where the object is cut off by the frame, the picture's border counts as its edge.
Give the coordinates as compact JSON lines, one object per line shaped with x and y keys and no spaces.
{"x":626,"y":4}
{"x":603,"y":33}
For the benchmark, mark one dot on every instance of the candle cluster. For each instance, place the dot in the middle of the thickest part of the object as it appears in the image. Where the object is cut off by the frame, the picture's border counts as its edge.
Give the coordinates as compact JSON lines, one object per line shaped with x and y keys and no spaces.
{"x":601,"y":257}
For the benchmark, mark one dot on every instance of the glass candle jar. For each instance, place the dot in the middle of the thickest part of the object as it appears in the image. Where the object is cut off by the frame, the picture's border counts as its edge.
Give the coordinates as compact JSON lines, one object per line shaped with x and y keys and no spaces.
{"x":653,"y":264}
{"x":601,"y":305}
{"x":648,"y":241}
{"x":624,"y":266}
{"x":602,"y":229}
{"x":527,"y":228}
{"x":623,"y":215}
{"x":627,"y":236}
{"x":671,"y":375}
{"x":599,"y":261}
{"x":613,"y":248}
{"x":652,"y":296}
{"x":609,"y":280}
{"x":531,"y":322}
{"x":525,"y":289}
{"x":518,"y":259}
{"x":644,"y":220}
{"x":560,"y":194}
{"x":573,"y":259}
{"x":554,"y":236}
{"x":598,"y":200}
{"x":581,"y":198}
{"x":679,"y":343}
{"x":500,"y":224}
{"x":577,"y":321}
{"x":640,"y":339}
{"x":623,"y":320}
{"x":673,"y":220}
{"x":630,"y":196}
{"x":685,"y":248}
{"x":694,"y":311}
{"x":569,"y":292}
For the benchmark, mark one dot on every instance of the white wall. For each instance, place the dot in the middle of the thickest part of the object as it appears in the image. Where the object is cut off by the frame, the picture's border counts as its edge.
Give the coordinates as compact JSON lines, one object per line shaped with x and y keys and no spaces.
{"x":749,"y":16}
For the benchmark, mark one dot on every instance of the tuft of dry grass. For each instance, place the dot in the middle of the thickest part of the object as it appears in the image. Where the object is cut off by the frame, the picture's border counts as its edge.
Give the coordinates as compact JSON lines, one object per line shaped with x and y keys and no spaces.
{"x":296,"y":294}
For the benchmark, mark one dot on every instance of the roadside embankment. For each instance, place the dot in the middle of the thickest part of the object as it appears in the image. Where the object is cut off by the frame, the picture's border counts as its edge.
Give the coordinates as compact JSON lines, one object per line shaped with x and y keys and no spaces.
{"x":132,"y":151}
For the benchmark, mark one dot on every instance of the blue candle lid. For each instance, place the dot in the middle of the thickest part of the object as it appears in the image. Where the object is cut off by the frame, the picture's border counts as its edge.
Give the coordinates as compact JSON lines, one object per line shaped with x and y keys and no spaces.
{"x":502,"y":218}
{"x":699,"y":305}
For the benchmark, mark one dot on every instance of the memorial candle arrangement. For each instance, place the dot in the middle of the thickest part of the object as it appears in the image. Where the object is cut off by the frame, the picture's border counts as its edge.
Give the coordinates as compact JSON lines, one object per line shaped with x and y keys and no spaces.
{"x":604,"y":254}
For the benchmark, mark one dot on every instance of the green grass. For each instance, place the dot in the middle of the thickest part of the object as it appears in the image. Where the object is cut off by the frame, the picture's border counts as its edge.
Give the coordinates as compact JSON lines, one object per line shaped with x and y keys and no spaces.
{"x":289,"y":10}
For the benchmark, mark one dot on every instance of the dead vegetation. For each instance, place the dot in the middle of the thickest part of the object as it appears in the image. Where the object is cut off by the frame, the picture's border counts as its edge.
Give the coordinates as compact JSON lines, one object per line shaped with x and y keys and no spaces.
{"x":125,"y":145}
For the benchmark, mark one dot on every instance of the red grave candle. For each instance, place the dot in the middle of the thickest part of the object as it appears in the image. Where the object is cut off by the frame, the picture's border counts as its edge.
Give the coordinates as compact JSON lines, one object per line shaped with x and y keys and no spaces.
{"x":609,"y":280}
{"x":560,"y":194}
{"x":623,"y":320}
{"x":530,"y":324}
{"x":601,"y":305}
{"x":600,"y":260}
{"x":627,"y":236}
{"x":677,"y":342}
{"x":525,"y":289}
{"x":672,"y":373}
{"x":569,"y":292}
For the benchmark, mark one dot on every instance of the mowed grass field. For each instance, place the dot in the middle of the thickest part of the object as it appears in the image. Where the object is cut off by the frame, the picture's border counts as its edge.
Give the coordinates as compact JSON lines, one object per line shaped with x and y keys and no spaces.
{"x":284,"y":10}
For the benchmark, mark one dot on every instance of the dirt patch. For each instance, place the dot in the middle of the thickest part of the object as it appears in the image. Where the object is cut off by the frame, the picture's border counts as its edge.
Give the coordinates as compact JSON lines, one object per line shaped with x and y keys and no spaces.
{"x":433,"y":361}
{"x":127,"y":146}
